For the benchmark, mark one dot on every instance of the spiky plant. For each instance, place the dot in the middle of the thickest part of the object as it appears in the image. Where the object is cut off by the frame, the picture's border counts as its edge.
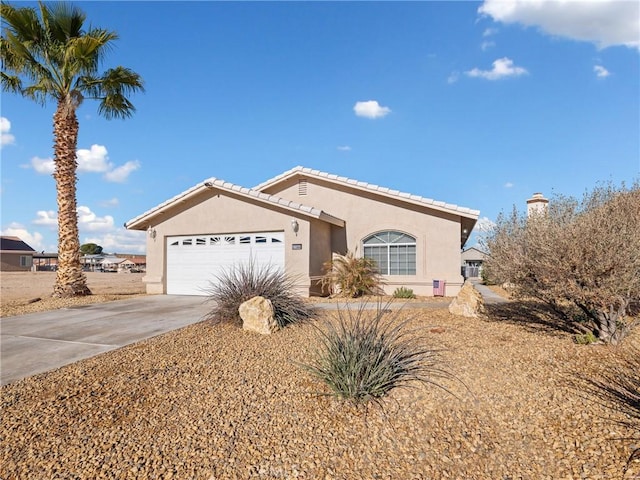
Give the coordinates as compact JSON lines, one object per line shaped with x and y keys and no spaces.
{"x":361,"y":355}
{"x":351,"y":276}
{"x":244,"y":281}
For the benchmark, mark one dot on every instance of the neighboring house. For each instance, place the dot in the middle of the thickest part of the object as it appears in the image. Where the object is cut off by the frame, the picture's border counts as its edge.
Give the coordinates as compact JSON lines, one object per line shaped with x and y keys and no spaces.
{"x":295,"y":222}
{"x":45,"y":262}
{"x":15,"y":255}
{"x":92,"y":262}
{"x":472,"y":259}
{"x":113,"y":263}
{"x":110,"y":263}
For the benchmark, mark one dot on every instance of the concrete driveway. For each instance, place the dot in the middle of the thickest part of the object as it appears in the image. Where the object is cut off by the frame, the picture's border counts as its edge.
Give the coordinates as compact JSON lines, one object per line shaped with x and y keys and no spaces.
{"x":39,"y":342}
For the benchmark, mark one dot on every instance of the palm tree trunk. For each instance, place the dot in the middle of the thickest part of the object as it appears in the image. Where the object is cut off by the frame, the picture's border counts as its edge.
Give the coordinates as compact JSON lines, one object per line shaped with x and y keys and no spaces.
{"x":70,"y":279}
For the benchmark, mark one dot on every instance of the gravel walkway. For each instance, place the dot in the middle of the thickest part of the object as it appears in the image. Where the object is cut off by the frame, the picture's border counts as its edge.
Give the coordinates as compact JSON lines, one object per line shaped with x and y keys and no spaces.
{"x":213,"y":402}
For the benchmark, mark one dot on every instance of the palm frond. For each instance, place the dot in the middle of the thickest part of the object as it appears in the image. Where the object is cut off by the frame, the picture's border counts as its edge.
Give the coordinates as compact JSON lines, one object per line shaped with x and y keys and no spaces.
{"x":50,"y":56}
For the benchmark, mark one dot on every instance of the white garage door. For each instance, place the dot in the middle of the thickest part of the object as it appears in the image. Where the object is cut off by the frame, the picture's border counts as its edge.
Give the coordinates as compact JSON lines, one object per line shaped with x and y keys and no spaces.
{"x":194,"y":261}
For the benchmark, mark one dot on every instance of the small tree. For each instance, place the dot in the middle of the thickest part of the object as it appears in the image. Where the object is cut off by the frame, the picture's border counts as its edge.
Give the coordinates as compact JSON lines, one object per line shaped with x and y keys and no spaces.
{"x":580,"y":257}
{"x":90,"y":249}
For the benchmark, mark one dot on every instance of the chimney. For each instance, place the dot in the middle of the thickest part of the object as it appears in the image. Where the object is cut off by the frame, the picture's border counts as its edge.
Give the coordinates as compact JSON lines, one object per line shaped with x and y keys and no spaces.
{"x":536,"y":204}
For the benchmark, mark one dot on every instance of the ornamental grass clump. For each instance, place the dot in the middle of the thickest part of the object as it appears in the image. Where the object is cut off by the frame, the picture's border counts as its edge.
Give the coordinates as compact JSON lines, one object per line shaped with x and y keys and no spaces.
{"x":361,"y":355}
{"x":351,"y":276}
{"x":243,"y":281}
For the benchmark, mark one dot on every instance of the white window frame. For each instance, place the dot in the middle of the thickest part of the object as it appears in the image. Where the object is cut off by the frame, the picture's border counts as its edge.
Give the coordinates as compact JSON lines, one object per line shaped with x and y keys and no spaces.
{"x":388,"y":246}
{"x":26,"y":261}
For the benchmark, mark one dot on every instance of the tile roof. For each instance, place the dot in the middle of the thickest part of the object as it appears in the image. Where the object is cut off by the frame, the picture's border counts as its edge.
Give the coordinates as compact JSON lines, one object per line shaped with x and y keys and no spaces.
{"x":218,"y":184}
{"x":416,"y":199}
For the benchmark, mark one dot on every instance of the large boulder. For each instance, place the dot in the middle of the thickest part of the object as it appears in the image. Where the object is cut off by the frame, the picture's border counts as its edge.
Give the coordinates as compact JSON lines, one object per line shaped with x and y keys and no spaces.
{"x":258,"y":315}
{"x":468,"y":303}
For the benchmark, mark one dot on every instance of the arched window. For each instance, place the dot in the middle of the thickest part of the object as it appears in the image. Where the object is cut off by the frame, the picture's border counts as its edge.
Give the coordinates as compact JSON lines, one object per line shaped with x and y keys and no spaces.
{"x":393,"y":252}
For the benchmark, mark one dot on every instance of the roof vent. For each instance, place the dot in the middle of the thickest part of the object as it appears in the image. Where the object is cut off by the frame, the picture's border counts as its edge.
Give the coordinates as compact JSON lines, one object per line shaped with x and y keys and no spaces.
{"x":302,"y":188}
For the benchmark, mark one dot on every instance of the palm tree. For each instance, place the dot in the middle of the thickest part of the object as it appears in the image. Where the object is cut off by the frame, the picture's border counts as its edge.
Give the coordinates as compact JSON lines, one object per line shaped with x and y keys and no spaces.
{"x":51,"y":57}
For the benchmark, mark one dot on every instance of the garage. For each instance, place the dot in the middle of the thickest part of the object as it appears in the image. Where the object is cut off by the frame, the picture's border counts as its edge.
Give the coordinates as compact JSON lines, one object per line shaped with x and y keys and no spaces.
{"x":195,"y":261}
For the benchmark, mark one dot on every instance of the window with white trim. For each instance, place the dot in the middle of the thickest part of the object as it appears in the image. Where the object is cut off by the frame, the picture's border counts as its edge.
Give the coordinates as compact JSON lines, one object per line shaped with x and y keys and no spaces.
{"x":26,"y":261}
{"x":393,"y":252}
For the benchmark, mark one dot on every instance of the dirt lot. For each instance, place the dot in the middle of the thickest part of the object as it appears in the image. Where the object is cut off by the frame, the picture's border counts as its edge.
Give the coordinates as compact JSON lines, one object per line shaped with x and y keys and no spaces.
{"x":19,"y":290}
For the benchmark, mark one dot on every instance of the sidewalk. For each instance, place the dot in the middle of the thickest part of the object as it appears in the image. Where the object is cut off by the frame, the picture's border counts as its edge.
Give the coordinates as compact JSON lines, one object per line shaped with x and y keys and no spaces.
{"x":488,"y":295}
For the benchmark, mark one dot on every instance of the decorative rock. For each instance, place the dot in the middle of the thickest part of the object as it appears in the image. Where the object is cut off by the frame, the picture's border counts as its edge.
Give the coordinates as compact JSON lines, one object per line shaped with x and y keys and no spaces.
{"x":468,"y":303}
{"x":257,"y":315}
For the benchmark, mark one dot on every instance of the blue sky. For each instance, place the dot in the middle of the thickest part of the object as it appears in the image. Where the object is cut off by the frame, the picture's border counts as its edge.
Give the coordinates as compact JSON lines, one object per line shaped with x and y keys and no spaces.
{"x":480,"y":104}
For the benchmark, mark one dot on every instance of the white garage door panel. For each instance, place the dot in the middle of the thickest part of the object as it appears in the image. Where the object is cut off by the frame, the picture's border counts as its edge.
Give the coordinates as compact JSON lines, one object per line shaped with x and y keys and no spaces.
{"x":194,"y":261}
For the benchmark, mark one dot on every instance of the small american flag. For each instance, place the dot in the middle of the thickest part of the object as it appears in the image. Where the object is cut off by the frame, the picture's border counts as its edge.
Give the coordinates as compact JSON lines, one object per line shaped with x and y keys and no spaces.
{"x":438,"y":288}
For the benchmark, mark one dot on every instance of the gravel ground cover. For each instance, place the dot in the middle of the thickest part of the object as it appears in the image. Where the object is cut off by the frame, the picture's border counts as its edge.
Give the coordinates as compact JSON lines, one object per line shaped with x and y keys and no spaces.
{"x":214,"y":402}
{"x":29,"y":292}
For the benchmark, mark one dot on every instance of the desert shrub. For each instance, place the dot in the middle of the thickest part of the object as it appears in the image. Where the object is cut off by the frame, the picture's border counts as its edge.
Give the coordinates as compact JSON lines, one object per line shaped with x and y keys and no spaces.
{"x":351,"y":276}
{"x":361,"y":355}
{"x":403,"y":292}
{"x":244,"y":281}
{"x":576,"y":256}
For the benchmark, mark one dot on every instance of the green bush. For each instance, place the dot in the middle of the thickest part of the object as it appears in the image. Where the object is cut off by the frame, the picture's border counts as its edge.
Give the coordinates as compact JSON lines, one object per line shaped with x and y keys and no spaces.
{"x":351,"y":276}
{"x":361,"y":355}
{"x":403,"y":292}
{"x":585,"y":338}
{"x":246,"y":280}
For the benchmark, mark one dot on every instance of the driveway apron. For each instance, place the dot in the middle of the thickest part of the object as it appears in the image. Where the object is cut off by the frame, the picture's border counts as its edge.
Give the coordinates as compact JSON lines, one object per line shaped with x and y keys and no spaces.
{"x":39,"y":342}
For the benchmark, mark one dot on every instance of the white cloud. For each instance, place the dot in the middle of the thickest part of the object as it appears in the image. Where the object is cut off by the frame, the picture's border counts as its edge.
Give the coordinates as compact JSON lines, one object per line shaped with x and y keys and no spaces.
{"x":502,"y":68}
{"x":96,"y":159}
{"x":47,"y":218}
{"x":487,"y":44}
{"x":34,"y":240}
{"x":5,"y":137}
{"x":89,"y":221}
{"x":453,"y":77}
{"x":112,"y":202}
{"x":121,"y":173}
{"x":603,"y":22}
{"x":484,"y":225}
{"x":370,"y":109}
{"x":489,"y":32}
{"x":44,"y":166}
{"x":120,"y":240}
{"x":344,"y":148}
{"x":508,"y":185}
{"x":601,"y":71}
{"x":92,"y":160}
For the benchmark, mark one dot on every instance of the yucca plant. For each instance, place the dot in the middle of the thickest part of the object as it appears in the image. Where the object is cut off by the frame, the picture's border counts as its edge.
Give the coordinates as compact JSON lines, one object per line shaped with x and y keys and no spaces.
{"x":363,"y":354}
{"x":243,"y":281}
{"x":351,"y":276}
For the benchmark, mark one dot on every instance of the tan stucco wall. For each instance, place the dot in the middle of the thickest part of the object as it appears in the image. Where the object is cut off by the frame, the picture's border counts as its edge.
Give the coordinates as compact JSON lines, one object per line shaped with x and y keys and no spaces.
{"x":472,"y":254}
{"x":10,"y":262}
{"x":224,"y":214}
{"x":437,"y":234}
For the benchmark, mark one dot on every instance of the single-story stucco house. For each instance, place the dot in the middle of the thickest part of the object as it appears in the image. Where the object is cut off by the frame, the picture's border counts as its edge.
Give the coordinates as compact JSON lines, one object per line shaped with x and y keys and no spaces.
{"x":472,"y":259}
{"x":15,"y":255}
{"x":296,"y":221}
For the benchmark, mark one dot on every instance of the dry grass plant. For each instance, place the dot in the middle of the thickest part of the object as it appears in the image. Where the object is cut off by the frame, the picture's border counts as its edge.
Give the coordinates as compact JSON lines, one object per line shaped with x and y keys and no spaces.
{"x":351,"y":276}
{"x":243,"y":281}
